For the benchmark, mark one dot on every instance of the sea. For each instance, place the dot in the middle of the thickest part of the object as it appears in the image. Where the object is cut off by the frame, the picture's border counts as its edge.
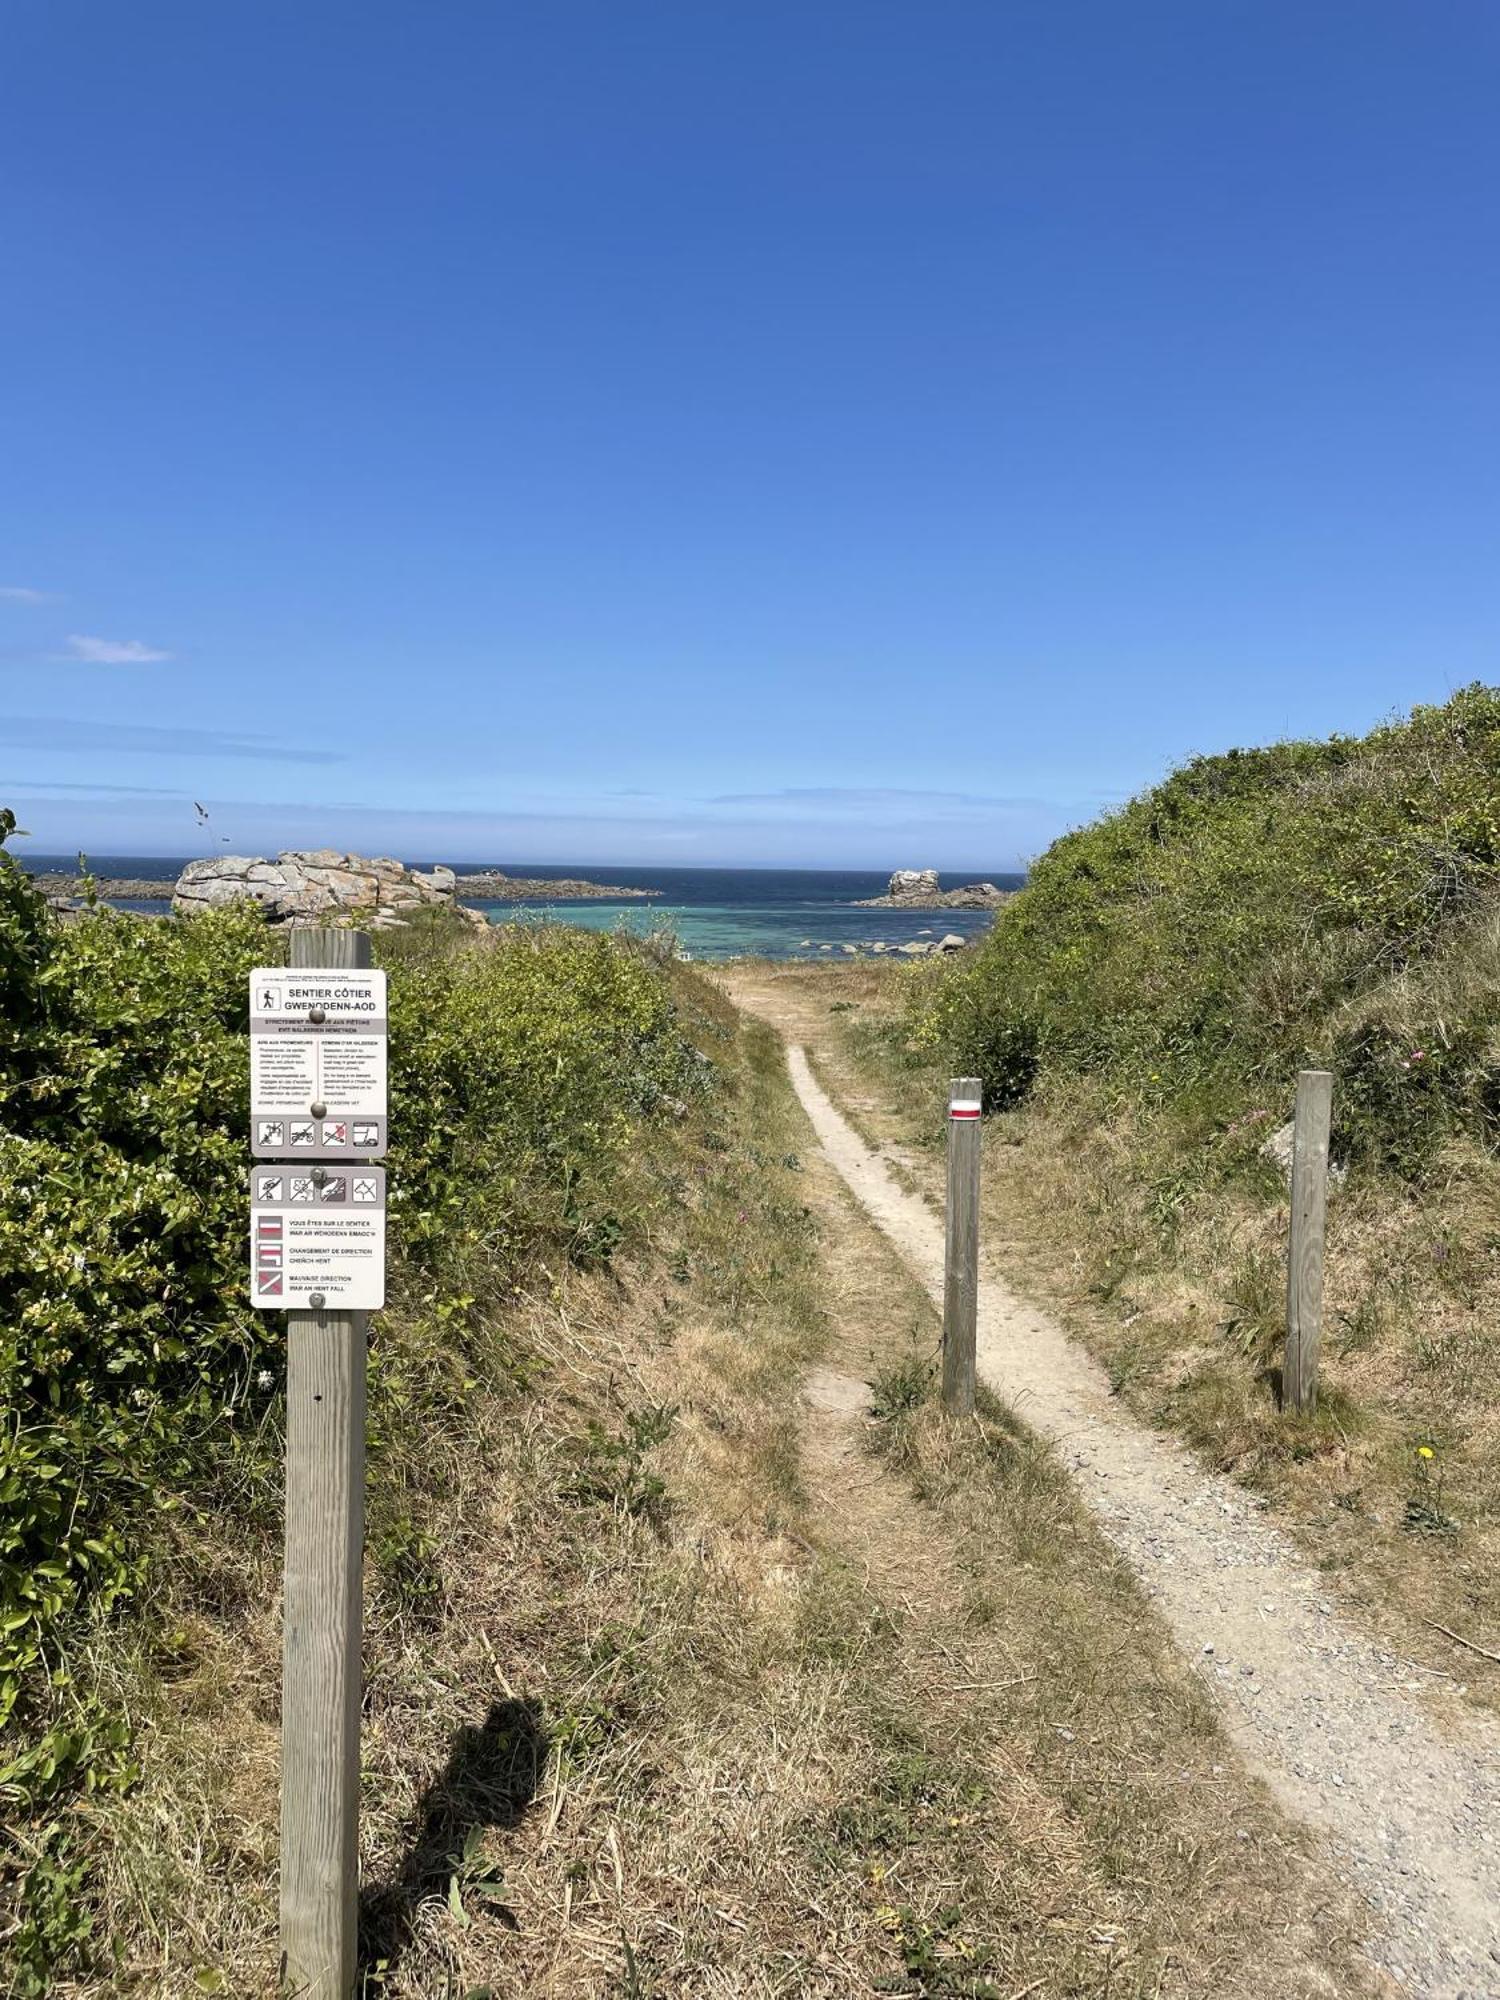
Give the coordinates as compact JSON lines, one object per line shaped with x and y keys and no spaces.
{"x":714,"y":913}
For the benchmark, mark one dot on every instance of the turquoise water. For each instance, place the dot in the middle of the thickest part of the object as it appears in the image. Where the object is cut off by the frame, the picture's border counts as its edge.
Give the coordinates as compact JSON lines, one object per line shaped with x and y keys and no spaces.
{"x":713,"y":912}
{"x":730,"y":930}
{"x":764,"y":912}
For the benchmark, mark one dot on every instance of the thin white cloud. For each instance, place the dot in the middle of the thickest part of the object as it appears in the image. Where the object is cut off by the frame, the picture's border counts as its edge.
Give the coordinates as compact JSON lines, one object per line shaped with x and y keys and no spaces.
{"x":877,"y":798}
{"x":69,"y":736}
{"x":13,"y":593}
{"x":113,"y":652}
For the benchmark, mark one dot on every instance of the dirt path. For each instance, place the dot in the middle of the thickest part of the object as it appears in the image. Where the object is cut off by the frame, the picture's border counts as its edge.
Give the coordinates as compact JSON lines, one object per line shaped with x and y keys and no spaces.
{"x":1356,"y":1741}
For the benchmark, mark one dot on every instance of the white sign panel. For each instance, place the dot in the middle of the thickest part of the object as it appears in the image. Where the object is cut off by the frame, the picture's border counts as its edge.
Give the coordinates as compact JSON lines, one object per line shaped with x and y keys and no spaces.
{"x":317,"y":1064}
{"x":317,"y":1238}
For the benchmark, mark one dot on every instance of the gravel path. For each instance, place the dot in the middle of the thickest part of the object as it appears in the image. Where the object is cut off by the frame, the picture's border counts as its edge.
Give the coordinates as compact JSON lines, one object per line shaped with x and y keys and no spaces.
{"x":1405,"y":1784}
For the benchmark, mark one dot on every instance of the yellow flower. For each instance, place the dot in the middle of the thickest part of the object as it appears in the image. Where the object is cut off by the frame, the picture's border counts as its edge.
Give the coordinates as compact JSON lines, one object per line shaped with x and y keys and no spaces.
{"x":1424,"y":1451}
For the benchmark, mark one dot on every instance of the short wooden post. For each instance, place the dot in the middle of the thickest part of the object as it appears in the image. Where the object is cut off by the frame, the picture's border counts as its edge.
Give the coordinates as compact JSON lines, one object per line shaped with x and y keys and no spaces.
{"x":1304,"y":1291}
{"x":322,"y":1617}
{"x":961,"y":1262}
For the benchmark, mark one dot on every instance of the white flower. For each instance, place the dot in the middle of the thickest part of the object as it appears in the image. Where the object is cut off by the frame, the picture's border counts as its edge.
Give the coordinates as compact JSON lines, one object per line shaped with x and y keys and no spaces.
{"x":264,"y":1379}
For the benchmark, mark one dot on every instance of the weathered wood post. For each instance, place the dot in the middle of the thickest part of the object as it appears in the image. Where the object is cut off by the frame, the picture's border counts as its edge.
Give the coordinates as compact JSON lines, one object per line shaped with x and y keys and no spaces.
{"x":961,"y":1262}
{"x":1304,"y":1290}
{"x":322,"y":1615}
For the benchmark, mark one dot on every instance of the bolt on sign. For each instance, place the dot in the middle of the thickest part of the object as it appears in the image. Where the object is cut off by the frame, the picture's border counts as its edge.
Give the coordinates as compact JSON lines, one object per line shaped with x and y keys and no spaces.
{"x":317,"y":1238}
{"x":318,"y":1067}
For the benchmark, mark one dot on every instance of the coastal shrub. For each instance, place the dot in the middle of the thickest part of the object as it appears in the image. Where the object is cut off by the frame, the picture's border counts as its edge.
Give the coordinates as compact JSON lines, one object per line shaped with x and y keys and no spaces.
{"x":135,"y":1377}
{"x":1245,"y":917}
{"x":982,"y":1031}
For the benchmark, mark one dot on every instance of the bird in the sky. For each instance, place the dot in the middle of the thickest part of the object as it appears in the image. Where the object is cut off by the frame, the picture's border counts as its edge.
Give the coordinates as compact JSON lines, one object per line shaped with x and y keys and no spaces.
{"x":202,"y":812}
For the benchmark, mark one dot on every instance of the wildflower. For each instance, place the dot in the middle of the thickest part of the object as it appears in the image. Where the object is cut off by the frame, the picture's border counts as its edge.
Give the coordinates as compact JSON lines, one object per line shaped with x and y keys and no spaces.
{"x":264,"y":1379}
{"x":1425,"y":1451}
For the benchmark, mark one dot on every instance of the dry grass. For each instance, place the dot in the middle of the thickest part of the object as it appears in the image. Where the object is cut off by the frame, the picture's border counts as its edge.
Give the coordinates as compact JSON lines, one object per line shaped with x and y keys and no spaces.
{"x":674,"y":1687}
{"x":1179,"y":1289}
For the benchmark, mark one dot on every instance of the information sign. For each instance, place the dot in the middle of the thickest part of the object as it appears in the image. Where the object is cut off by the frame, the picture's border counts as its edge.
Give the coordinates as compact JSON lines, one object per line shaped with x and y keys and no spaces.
{"x":317,"y":1064}
{"x":317,"y":1238}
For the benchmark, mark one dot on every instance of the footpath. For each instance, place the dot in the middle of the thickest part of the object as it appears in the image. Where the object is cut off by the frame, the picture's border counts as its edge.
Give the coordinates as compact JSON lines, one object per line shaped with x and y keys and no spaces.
{"x":1401,"y":1779}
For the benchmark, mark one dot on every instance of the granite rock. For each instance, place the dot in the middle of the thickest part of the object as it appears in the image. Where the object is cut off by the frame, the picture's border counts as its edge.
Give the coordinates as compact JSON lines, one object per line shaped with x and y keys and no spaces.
{"x":307,"y":886}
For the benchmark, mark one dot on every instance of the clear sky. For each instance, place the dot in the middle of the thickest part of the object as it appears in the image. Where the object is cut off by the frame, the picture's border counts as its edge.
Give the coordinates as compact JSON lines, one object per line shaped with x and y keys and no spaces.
{"x":820,"y":431}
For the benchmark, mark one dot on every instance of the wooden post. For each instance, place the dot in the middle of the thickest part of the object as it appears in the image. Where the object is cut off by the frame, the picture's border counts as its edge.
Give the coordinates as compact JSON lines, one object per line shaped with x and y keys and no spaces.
{"x":322,"y":1616}
{"x":1304,"y":1290}
{"x":961,"y":1262}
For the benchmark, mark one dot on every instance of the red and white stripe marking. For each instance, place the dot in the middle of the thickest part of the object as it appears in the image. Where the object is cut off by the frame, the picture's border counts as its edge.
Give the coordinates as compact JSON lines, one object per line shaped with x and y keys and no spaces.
{"x":964,"y":1107}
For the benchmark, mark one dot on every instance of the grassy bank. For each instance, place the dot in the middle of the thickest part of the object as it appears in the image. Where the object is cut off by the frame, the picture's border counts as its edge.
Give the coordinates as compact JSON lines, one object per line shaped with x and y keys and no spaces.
{"x":1139,"y":1015}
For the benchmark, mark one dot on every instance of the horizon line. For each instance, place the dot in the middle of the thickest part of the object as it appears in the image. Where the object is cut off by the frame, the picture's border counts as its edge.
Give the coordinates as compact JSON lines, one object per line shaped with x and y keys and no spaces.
{"x":973,"y":870}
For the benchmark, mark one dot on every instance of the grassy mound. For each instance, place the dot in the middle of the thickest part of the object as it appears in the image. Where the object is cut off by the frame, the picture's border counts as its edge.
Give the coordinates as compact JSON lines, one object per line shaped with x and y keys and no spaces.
{"x":1332,"y":903}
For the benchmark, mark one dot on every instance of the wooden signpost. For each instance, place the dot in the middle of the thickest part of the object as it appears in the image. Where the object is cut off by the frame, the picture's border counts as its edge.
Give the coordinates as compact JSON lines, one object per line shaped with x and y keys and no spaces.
{"x":1304,"y":1291}
{"x":320,"y":1229}
{"x":961,"y":1262}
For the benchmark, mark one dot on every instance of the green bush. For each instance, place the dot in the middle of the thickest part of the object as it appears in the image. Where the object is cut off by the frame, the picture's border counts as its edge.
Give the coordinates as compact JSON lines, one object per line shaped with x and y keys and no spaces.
{"x":1246,"y":917}
{"x":133,"y":1372}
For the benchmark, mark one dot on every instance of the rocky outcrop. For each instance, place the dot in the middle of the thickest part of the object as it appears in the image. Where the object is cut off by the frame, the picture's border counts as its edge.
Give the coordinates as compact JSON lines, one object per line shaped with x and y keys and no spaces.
{"x":913,"y":885}
{"x":108,"y":888}
{"x":917,"y":889}
{"x":315,"y":886}
{"x":913,"y":948}
{"x":493,"y":885}
{"x":935,"y":948}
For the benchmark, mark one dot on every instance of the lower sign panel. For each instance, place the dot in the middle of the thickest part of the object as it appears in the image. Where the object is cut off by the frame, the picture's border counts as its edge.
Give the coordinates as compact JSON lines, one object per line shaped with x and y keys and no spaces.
{"x":317,"y":1238}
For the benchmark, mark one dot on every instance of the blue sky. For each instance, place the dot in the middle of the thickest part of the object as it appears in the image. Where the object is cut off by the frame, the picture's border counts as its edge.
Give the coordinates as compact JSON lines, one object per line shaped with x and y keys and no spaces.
{"x":863,"y":434}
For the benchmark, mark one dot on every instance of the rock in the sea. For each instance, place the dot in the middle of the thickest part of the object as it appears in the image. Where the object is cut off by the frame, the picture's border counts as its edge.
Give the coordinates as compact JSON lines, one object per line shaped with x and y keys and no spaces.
{"x":913,"y":885}
{"x":917,"y":889}
{"x":494,"y":885}
{"x":308,"y":885}
{"x":952,"y":942}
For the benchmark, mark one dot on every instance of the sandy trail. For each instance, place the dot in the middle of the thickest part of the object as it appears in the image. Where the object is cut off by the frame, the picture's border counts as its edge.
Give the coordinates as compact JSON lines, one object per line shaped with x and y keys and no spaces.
{"x":1342,"y":1729}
